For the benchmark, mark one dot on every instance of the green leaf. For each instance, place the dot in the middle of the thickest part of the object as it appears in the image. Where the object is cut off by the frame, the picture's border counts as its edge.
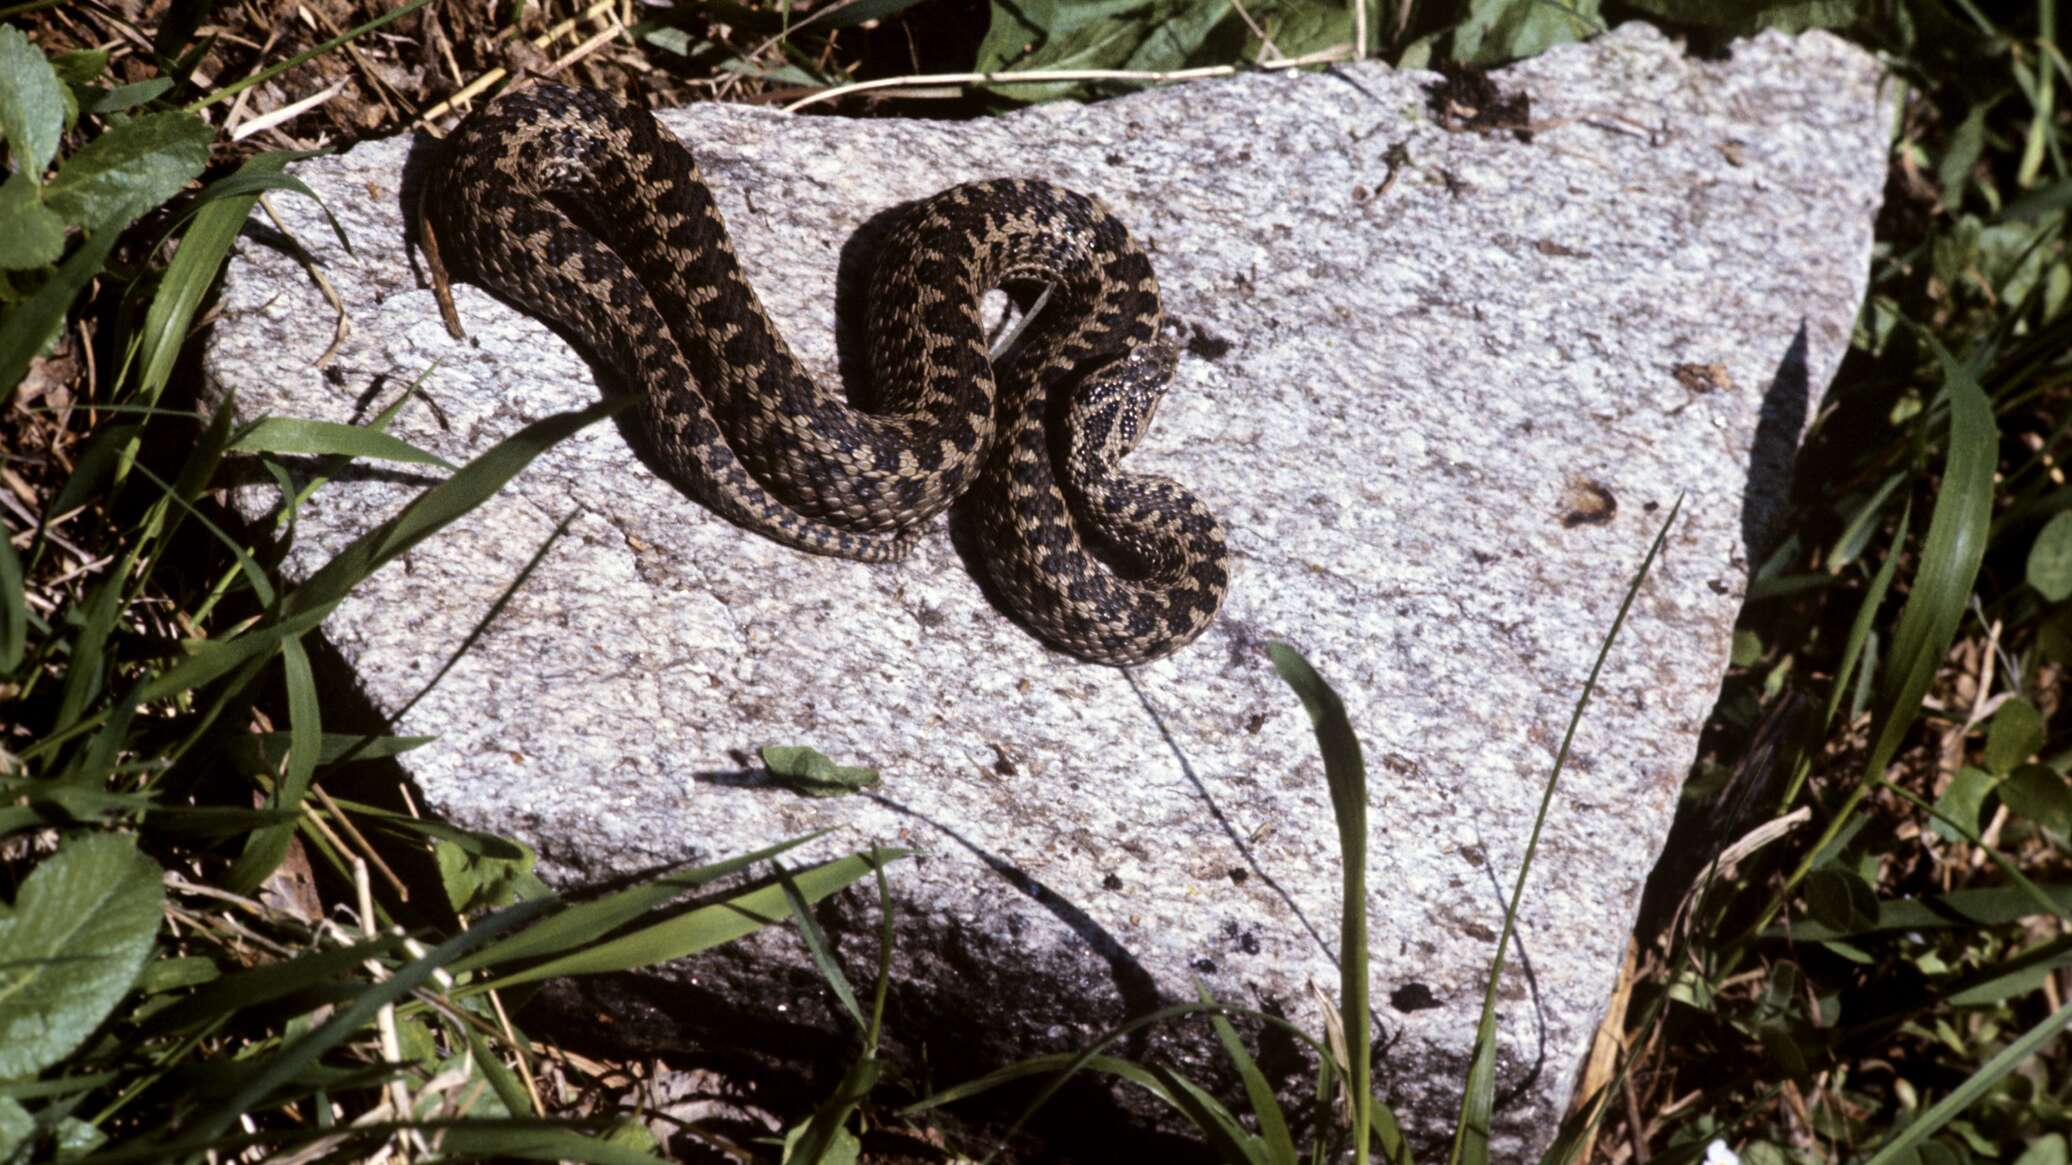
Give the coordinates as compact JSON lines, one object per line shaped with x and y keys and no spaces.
{"x":129,"y":96}
{"x":477,"y":879}
{"x":32,"y":104}
{"x":16,"y":1127}
{"x":808,"y":772}
{"x":2050,"y":559}
{"x":72,"y":945}
{"x":1841,"y":900}
{"x":129,"y":170}
{"x":262,"y":752}
{"x":79,"y":66}
{"x":298,"y":436}
{"x":25,"y":330}
{"x":2049,"y":1149}
{"x":825,"y":1138}
{"x":1961,"y":802}
{"x":34,"y":236}
{"x":820,"y":948}
{"x":1496,"y":31}
{"x":2014,"y":736}
{"x":2040,"y":794}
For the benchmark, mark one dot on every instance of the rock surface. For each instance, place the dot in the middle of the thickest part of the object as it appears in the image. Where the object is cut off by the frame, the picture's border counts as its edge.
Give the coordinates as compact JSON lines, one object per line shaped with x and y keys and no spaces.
{"x":1442,"y":403}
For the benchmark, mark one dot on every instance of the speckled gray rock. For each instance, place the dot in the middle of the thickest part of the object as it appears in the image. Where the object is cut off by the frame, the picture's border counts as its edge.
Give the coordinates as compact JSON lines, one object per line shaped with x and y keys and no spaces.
{"x":1442,"y":406}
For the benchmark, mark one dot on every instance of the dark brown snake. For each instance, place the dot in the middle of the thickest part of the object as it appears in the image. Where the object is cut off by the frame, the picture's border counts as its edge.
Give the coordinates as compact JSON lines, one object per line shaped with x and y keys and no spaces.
{"x":586,"y":213}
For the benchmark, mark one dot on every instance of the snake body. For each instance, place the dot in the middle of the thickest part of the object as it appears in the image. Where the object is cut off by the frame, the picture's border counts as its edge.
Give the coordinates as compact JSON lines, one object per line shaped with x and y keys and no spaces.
{"x":585,"y":212}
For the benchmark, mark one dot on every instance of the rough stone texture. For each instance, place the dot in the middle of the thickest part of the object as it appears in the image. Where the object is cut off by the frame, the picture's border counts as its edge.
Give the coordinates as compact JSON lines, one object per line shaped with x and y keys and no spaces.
{"x":1442,"y":417}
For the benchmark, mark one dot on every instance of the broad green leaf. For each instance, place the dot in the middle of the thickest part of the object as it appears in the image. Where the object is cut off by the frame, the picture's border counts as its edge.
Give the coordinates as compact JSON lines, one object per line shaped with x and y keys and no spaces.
{"x":34,"y":236}
{"x":267,"y":847}
{"x":1840,"y":899}
{"x":1496,"y":31}
{"x":2014,"y":736}
{"x":16,"y":1127}
{"x":808,"y":772}
{"x":296,"y":435}
{"x":130,"y":169}
{"x":2040,"y":794}
{"x":1791,"y":16}
{"x":476,"y":880}
{"x":32,"y":104}
{"x":2050,"y":559}
{"x":25,"y":330}
{"x":72,"y":945}
{"x":2049,"y":1149}
{"x":130,"y":96}
{"x":80,"y":66}
{"x":1961,"y":802}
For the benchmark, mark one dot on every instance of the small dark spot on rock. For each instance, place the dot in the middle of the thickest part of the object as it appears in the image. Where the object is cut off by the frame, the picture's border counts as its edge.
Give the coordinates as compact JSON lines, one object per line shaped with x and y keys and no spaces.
{"x":1396,"y":762}
{"x":1481,"y":558}
{"x":1473,"y":853}
{"x":1466,"y":100}
{"x":1206,"y":344}
{"x":1239,"y":875}
{"x":1476,"y":930}
{"x":1254,"y":723}
{"x":1114,"y":159}
{"x":1718,"y":586}
{"x":1703,"y":378}
{"x":1550,"y":247}
{"x":1413,"y":997}
{"x":1248,"y":942}
{"x":1205,"y":966}
{"x":1361,"y":194}
{"x":1111,"y":882}
{"x":1588,"y":502}
{"x":1002,"y":763}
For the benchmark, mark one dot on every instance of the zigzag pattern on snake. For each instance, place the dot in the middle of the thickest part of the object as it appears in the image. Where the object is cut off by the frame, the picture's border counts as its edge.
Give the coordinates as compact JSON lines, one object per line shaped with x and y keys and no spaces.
{"x":586,"y":213}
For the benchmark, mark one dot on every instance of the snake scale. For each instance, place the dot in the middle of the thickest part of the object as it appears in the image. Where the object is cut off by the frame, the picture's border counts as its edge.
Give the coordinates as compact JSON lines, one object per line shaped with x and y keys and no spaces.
{"x":583,"y":211}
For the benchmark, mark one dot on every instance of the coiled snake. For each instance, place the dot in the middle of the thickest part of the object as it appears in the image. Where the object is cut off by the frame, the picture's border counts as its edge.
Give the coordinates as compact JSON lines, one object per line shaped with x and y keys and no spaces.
{"x":586,"y":213}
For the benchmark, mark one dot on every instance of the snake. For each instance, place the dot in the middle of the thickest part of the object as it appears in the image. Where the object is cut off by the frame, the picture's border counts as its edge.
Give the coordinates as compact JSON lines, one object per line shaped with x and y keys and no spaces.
{"x":583,"y":211}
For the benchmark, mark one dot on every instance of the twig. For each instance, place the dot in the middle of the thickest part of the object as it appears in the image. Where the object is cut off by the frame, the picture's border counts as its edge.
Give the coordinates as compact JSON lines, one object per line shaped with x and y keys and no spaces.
{"x":288,"y":112}
{"x":1052,"y":76}
{"x":468,"y":91}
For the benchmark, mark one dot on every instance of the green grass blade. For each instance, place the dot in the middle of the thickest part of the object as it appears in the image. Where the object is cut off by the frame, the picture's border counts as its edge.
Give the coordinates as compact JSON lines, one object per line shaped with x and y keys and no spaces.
{"x":307,"y":605}
{"x":832,"y":1115}
{"x":703,"y":928}
{"x":1225,"y":1135}
{"x":818,"y":946}
{"x":267,"y":847}
{"x":1989,"y":1074}
{"x":586,"y":922}
{"x":14,"y":607}
{"x":347,"y":1023}
{"x":1966,"y":909}
{"x":1950,"y":560}
{"x":296,"y":435}
{"x":1346,"y":775}
{"x":1279,"y":1146}
{"x":192,"y":272}
{"x":1471,"y":1134}
{"x":271,"y":71}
